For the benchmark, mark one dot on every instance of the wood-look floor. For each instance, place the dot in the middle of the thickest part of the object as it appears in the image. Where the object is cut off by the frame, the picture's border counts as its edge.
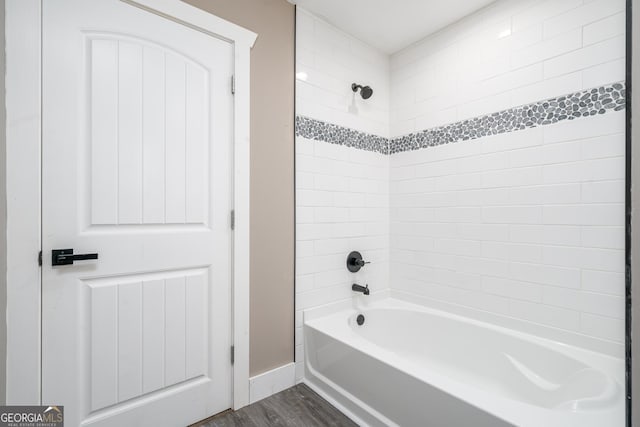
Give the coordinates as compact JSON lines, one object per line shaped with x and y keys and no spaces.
{"x":298,"y":406}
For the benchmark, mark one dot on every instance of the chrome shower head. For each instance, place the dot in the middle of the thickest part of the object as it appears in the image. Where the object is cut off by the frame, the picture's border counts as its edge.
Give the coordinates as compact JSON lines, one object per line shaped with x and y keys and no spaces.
{"x":365,"y":91}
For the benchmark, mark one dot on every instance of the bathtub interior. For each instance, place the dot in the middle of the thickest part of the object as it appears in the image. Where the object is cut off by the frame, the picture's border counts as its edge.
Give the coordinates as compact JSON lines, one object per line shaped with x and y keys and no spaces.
{"x":490,"y":360}
{"x":459,"y":368}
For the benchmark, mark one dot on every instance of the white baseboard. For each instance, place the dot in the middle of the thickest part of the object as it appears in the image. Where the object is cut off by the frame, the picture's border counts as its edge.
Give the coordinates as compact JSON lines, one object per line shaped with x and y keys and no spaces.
{"x":272,"y":382}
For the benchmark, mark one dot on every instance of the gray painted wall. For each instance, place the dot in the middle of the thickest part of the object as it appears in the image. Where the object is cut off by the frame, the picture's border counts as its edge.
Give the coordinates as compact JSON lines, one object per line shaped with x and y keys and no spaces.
{"x":3,"y":221}
{"x":272,"y":188}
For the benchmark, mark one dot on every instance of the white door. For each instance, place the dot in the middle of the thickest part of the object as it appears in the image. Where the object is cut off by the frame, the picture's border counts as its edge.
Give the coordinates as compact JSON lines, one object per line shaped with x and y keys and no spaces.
{"x":137,"y":138}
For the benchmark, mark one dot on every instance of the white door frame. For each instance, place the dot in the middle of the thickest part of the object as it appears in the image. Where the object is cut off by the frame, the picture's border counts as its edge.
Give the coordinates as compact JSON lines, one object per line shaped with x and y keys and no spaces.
{"x":23,"y":183}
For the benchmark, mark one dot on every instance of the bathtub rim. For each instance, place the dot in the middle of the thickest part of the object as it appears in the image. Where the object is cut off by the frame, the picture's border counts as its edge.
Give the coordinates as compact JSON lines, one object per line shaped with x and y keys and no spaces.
{"x":529,"y":328}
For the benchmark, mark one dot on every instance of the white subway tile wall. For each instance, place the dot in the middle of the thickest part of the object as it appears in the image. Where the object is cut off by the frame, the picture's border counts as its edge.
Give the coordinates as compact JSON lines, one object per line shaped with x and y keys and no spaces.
{"x":328,"y":61}
{"x":529,"y":224}
{"x":342,"y":205}
{"x":342,"y":193}
{"x":526,"y":224}
{"x":511,"y":53}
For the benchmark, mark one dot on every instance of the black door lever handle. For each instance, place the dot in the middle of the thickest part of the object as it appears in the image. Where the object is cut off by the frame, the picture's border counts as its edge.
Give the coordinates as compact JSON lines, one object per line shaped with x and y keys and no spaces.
{"x":66,"y":257}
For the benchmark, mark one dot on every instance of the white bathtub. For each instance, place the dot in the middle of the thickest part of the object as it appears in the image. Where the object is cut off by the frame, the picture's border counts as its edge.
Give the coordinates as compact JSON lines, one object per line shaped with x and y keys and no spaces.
{"x":413,"y":366}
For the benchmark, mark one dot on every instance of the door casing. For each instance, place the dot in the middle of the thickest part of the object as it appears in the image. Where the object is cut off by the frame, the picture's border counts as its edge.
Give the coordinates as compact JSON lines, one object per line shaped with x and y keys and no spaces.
{"x":23,"y":184}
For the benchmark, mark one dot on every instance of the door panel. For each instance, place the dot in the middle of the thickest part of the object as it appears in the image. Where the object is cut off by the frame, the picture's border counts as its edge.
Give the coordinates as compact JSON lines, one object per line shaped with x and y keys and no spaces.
{"x":147,"y":333}
{"x":137,"y":119}
{"x":153,"y":103}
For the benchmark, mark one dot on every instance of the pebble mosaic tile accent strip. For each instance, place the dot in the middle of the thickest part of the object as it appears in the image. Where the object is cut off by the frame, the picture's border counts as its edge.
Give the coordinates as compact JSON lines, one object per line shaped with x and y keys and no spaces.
{"x":322,"y":131}
{"x":567,"y":107}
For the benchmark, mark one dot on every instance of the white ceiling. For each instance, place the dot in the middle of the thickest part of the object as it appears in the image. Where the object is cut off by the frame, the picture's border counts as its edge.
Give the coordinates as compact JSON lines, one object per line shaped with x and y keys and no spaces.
{"x":391,"y":25}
